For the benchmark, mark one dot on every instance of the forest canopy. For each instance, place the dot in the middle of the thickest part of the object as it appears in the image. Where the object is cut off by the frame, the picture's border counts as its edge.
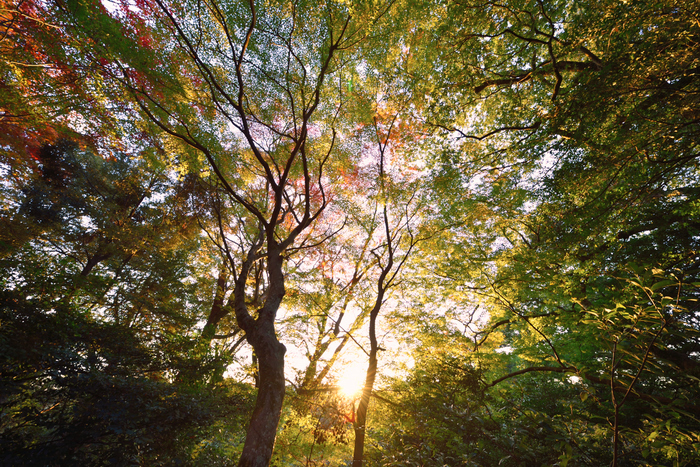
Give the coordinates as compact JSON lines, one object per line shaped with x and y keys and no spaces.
{"x":217,"y":215}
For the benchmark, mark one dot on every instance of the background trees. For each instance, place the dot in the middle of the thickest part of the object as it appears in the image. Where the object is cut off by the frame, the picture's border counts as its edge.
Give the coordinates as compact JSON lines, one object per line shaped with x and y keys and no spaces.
{"x":98,"y":315}
{"x":572,"y":169}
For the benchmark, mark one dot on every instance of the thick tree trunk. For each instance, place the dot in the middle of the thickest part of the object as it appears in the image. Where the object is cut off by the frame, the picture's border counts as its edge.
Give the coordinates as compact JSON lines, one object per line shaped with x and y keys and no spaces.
{"x":260,"y":332}
{"x":260,"y":439}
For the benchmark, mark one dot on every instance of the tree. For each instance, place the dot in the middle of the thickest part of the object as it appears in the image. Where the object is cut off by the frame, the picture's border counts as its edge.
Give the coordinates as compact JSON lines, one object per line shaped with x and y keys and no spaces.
{"x":264,"y":117}
{"x":572,"y":144}
{"x":395,"y":221}
{"x":31,"y":59}
{"x":98,"y":313}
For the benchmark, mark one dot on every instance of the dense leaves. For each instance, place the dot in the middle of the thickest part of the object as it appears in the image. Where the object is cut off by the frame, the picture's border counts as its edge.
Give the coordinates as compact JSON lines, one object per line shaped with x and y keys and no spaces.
{"x":77,"y":391}
{"x":502,"y":196}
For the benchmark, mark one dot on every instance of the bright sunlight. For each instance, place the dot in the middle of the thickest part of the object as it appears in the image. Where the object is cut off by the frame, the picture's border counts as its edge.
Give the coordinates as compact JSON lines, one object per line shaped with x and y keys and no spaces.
{"x":352,"y":380}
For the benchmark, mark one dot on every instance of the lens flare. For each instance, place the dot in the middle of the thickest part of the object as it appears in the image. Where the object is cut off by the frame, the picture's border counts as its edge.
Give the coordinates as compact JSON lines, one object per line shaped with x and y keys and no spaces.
{"x":351,"y":381}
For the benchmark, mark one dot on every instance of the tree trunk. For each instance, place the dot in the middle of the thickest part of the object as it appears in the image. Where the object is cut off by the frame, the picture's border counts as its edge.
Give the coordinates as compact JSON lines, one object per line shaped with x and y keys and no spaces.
{"x":260,"y":332}
{"x":218,"y":311}
{"x":361,"y":418}
{"x":260,"y":438}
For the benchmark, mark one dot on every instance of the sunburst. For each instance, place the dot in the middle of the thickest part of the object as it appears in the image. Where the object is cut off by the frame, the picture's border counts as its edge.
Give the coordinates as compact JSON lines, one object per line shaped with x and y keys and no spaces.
{"x":352,"y":380}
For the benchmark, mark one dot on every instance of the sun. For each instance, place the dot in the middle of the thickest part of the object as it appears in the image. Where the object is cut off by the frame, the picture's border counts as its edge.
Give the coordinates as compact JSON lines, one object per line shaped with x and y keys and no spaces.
{"x":351,"y":381}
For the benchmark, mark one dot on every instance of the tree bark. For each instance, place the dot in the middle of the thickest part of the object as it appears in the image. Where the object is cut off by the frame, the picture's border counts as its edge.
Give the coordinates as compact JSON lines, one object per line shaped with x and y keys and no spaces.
{"x":361,"y":417}
{"x":218,"y":311}
{"x":262,"y":430}
{"x":260,"y":332}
